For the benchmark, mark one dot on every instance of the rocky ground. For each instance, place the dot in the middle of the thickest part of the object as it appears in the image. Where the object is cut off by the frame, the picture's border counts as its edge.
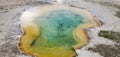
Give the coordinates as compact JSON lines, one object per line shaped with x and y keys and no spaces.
{"x":99,"y":45}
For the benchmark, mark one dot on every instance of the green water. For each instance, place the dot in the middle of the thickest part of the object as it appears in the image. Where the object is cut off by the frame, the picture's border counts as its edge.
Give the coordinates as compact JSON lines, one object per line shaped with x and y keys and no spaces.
{"x":57,"y":28}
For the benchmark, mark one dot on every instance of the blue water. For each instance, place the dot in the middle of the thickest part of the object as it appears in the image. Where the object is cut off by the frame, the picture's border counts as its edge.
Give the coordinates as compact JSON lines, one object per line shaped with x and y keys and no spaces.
{"x":57,"y":27}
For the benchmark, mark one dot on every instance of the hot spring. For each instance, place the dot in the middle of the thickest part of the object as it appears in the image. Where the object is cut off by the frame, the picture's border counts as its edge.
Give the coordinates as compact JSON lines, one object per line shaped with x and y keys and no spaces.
{"x":54,"y":31}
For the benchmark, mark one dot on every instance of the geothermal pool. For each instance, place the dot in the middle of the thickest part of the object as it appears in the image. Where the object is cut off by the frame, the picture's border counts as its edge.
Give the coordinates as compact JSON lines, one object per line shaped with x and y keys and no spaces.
{"x":54,"y":31}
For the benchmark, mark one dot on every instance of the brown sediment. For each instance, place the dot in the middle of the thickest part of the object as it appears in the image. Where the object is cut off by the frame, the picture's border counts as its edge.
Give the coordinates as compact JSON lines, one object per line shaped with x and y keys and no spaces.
{"x":99,"y":22}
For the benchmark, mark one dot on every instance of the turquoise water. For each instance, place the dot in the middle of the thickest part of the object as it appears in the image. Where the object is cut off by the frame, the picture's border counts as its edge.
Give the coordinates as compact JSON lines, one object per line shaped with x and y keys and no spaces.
{"x":57,"y":27}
